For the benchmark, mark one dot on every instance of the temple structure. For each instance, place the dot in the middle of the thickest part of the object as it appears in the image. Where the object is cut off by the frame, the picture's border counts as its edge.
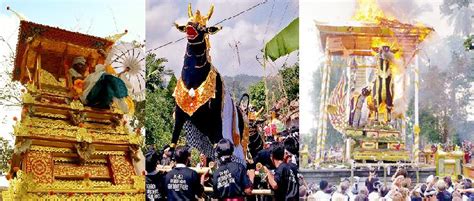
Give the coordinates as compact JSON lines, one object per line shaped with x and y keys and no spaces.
{"x":64,"y":149}
{"x":369,"y":104}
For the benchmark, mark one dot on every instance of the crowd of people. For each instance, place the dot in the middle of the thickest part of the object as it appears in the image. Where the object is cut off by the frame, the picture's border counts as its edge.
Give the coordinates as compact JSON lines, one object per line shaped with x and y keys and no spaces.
{"x":272,"y":168}
{"x":399,"y":188}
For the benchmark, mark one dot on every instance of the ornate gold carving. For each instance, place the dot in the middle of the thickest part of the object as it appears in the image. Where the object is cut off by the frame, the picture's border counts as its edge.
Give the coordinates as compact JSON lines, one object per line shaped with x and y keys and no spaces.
{"x":23,"y":188}
{"x":190,"y":100}
{"x":139,"y":183}
{"x":76,"y":105}
{"x":76,"y":118}
{"x":40,"y":164}
{"x":47,"y":78}
{"x":83,"y":136}
{"x":66,"y":170}
{"x":135,"y":139}
{"x":19,"y":187}
{"x":117,"y":153}
{"x":59,"y":160}
{"x":50,"y":149}
{"x":51,"y":115}
{"x":28,"y":98}
{"x":122,"y":170}
{"x":31,"y":87}
{"x":55,"y":133}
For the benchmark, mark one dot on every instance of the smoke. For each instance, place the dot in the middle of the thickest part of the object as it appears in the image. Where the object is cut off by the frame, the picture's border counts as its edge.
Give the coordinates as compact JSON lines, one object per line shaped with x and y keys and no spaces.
{"x":406,"y":11}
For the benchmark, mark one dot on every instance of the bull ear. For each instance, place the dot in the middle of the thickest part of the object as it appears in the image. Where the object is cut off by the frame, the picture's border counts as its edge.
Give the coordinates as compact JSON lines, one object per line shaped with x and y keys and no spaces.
{"x":181,"y":28}
{"x":213,"y":29}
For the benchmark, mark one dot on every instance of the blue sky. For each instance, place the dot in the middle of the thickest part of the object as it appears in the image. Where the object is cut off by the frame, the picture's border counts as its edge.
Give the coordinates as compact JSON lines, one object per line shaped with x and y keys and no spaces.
{"x":249,"y":29}
{"x":87,"y":16}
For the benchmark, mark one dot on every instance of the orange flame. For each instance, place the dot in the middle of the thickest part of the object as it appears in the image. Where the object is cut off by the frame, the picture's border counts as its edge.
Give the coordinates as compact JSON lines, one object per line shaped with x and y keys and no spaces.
{"x":368,"y":11}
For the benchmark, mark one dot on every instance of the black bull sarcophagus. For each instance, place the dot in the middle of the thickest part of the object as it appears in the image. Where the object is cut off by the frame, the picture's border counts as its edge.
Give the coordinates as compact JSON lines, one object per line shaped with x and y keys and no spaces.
{"x":203,"y":107}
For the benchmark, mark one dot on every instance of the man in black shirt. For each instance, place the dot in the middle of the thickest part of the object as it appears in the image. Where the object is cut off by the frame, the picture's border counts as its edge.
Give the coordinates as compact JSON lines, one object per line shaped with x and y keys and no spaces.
{"x":183,"y":183}
{"x":263,"y":156}
{"x":284,"y":181}
{"x":230,"y":180}
{"x":154,"y":179}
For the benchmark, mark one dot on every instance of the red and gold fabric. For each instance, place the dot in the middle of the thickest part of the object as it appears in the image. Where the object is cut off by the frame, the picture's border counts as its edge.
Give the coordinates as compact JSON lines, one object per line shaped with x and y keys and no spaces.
{"x":188,"y":101}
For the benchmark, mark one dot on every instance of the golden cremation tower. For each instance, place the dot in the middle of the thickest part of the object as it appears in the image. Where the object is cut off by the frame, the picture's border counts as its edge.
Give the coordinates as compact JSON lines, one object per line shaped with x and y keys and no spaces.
{"x":63,"y":149}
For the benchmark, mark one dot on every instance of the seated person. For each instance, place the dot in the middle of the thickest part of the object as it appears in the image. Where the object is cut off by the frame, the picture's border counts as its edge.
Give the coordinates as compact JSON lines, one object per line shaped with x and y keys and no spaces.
{"x":98,"y":89}
{"x":77,"y":74}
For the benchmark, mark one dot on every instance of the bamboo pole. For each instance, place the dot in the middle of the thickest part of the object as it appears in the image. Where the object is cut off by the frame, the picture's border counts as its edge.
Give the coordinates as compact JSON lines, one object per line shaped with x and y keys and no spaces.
{"x":321,"y":109}
{"x":325,"y":108}
{"x":416,"y":127}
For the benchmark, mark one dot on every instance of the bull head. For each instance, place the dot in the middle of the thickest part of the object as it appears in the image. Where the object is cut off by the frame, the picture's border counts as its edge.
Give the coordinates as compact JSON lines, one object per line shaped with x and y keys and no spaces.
{"x":196,"y":29}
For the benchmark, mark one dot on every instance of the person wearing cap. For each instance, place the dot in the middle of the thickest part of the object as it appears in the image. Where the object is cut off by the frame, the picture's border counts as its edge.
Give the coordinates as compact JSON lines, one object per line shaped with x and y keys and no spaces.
{"x":154,"y":179}
{"x":230,"y":180}
{"x":78,"y":68}
{"x":77,"y":74}
{"x":183,"y":183}
{"x":283,"y":182}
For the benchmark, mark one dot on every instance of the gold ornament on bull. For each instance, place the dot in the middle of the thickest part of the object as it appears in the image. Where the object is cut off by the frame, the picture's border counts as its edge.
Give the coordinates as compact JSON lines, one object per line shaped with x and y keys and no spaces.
{"x":197,"y":17}
{"x":201,"y":19}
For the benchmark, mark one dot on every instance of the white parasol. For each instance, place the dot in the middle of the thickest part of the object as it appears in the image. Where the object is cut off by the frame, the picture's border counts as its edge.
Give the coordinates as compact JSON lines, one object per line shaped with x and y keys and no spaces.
{"x":128,"y":60}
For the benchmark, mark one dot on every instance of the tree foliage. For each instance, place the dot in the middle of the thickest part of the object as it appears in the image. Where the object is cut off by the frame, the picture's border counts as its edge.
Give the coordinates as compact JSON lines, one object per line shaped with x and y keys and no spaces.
{"x":6,"y":151}
{"x":283,"y":85}
{"x":445,"y":94}
{"x":159,"y":102}
{"x":155,"y":72}
{"x":257,"y":94}
{"x":290,"y":76}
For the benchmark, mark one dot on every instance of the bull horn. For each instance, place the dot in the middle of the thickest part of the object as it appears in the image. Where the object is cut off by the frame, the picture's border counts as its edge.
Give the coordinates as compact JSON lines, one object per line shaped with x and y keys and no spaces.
{"x":211,"y":11}
{"x":190,"y":11}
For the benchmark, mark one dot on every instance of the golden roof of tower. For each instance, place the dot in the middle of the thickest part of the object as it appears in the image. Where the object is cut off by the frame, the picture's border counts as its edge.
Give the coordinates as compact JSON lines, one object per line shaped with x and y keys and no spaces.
{"x":360,"y":39}
{"x":56,"y":46}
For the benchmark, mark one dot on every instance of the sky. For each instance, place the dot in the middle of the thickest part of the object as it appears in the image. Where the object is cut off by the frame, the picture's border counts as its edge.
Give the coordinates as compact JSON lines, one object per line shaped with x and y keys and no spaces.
{"x":341,"y":11}
{"x":99,"y":18}
{"x":248,"y":30}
